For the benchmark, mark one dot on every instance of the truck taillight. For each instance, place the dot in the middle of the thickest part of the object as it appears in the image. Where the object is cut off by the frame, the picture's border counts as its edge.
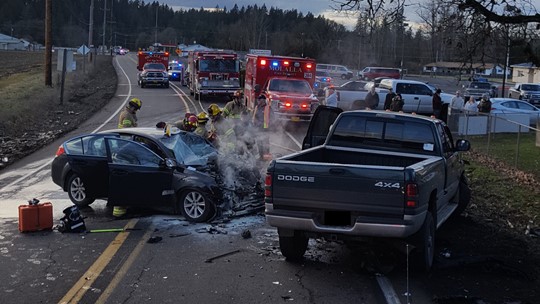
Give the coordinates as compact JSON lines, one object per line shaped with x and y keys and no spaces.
{"x":288,"y":105}
{"x":411,"y":195}
{"x":308,"y":65}
{"x":268,"y":185}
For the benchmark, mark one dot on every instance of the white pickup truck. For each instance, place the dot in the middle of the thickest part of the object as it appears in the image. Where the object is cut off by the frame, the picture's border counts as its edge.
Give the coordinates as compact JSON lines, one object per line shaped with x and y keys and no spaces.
{"x":418,"y":96}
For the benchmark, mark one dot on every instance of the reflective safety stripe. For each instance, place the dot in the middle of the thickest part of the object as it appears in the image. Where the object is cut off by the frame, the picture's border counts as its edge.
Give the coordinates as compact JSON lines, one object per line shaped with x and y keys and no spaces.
{"x":126,"y":123}
{"x":119,"y":211}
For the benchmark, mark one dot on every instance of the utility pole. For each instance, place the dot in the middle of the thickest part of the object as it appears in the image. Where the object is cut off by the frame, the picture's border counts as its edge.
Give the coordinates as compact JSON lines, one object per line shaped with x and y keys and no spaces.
{"x":91,"y":28}
{"x":155,"y":35}
{"x":48,"y":43}
{"x":104,"y":25}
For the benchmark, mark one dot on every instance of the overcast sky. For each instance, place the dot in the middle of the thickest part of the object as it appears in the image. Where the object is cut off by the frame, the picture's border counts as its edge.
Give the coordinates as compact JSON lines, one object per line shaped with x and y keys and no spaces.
{"x":316,"y":7}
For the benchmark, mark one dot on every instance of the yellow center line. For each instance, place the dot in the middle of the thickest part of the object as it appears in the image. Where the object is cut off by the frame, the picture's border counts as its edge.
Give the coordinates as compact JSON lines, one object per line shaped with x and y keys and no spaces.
{"x":123,"y":270}
{"x":75,"y":294}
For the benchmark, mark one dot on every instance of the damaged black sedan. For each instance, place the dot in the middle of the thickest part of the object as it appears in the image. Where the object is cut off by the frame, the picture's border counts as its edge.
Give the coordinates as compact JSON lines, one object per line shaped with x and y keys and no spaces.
{"x":143,"y":167}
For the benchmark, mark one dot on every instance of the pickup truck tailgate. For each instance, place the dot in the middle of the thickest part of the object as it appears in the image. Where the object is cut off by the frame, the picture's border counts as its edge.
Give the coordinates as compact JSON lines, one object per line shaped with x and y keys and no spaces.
{"x":337,"y":187}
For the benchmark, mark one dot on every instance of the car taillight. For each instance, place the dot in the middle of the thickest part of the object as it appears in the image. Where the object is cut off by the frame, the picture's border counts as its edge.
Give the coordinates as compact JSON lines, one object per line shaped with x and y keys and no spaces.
{"x":60,"y":151}
{"x":268,"y":185}
{"x":411,"y":195}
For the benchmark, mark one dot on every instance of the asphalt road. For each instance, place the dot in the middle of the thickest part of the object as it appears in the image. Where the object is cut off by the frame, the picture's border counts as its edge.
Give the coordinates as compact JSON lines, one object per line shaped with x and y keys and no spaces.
{"x":187,"y":263}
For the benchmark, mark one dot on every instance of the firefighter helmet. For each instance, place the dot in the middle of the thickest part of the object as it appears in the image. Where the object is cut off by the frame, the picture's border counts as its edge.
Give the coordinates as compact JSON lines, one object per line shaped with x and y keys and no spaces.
{"x":213,"y":110}
{"x":202,"y":118}
{"x":136,"y":103}
{"x":238,"y":94}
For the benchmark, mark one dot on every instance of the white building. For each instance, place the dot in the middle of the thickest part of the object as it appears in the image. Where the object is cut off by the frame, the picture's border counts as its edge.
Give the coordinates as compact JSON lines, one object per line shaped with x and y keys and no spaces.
{"x":9,"y":43}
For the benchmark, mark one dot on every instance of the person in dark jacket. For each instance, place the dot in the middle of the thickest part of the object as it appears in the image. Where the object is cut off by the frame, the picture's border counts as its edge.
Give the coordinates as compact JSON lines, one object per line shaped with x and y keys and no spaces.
{"x":372,"y":99}
{"x":484,"y":106}
{"x":397,"y":104}
{"x":437,"y":103}
{"x":388,"y":99}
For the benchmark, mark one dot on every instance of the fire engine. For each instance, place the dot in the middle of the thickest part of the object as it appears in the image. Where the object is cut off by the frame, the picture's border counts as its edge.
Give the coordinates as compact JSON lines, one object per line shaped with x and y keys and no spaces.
{"x":213,"y":73}
{"x":153,"y":67}
{"x":287,"y":83}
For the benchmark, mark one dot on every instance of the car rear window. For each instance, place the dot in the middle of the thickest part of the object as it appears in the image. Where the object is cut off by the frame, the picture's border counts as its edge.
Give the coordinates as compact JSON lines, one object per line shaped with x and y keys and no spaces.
{"x":361,"y":132}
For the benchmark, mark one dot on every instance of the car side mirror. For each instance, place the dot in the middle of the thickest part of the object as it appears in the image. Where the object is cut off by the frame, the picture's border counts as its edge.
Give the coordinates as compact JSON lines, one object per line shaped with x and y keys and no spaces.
{"x":463,"y":145}
{"x":171,"y":163}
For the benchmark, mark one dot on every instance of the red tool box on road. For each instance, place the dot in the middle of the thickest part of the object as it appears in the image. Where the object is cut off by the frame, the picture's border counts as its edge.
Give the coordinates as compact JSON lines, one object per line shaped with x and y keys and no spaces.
{"x":35,"y":216}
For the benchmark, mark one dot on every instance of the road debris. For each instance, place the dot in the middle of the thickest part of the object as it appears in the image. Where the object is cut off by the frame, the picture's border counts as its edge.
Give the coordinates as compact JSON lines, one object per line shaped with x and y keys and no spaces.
{"x":154,"y":239}
{"x":246,"y":234}
{"x":172,"y":235}
{"x":210,"y":260}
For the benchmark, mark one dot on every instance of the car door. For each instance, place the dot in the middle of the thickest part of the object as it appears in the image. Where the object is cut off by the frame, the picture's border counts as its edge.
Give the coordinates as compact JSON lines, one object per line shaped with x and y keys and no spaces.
{"x":319,"y":126}
{"x":87,"y":157}
{"x":453,"y":163}
{"x":532,"y":111}
{"x":137,"y":175}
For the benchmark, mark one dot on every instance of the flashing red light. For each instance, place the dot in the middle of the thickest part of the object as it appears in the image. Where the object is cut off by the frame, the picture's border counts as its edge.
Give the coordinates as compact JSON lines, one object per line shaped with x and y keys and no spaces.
{"x":304,"y":106}
{"x":263,"y":61}
{"x":308,"y":65}
{"x":60,"y":151}
{"x":285,"y":63}
{"x":288,"y":105}
{"x":167,"y":53}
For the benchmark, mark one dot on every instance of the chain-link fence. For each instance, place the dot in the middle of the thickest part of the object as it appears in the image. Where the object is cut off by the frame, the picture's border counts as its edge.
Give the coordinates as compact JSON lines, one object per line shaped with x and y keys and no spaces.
{"x":506,"y":137}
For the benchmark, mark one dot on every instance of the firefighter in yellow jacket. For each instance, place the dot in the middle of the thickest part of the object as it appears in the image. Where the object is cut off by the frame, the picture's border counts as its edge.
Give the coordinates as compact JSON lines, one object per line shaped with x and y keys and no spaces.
{"x":128,"y":116}
{"x":127,"y":119}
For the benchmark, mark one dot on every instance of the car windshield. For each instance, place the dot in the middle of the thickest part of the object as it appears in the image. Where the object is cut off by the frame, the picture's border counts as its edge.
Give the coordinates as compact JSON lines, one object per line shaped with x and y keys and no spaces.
{"x":189,"y":149}
{"x":175,"y":68}
{"x":530,"y":87}
{"x":218,"y":65}
{"x":154,"y":66}
{"x":290,"y":85}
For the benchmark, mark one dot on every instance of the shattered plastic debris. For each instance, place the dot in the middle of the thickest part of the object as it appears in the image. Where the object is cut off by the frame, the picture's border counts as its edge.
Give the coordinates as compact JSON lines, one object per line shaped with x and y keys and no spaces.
{"x":246,"y":234}
{"x":154,"y":239}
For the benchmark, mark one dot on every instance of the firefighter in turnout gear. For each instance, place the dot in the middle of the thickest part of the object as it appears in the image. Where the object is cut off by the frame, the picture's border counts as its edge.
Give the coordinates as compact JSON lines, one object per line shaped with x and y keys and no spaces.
{"x":236,"y":107}
{"x":128,"y":116}
{"x":201,"y":130}
{"x":127,"y":119}
{"x":261,"y":122}
{"x":221,"y":132}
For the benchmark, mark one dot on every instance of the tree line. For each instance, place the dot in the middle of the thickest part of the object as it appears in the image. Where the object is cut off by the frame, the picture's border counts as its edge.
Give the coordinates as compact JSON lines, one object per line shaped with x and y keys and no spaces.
{"x":379,"y":38}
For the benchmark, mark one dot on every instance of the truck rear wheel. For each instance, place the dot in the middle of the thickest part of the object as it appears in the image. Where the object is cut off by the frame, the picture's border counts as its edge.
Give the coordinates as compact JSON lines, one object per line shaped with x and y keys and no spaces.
{"x":463,"y":197}
{"x":424,"y":241}
{"x":293,"y":247}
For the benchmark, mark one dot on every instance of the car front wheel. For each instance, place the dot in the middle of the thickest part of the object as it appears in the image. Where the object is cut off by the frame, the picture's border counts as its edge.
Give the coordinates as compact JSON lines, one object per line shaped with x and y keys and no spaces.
{"x":77,"y":192}
{"x":195,"y":206}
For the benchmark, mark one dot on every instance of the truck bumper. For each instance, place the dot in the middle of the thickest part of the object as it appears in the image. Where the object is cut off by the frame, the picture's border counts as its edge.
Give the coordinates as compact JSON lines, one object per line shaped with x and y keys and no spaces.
{"x":304,"y":221}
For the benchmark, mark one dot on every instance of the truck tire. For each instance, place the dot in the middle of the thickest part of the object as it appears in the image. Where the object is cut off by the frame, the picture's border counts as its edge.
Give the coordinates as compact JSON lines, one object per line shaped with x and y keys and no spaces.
{"x":424,"y":242}
{"x":293,"y":247}
{"x":167,"y":85}
{"x":142,"y":84}
{"x":463,"y":197}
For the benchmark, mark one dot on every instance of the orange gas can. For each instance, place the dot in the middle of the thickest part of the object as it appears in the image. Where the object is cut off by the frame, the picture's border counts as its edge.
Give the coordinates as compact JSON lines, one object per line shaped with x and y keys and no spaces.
{"x":35,"y":217}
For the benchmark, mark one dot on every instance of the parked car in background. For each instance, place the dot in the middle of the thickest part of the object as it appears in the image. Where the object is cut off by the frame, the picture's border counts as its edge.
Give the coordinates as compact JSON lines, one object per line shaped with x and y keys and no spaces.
{"x":510,"y":105}
{"x":141,"y":167}
{"x":335,"y":70}
{"x":476,"y":89}
{"x":529,"y":92}
{"x":370,"y":73}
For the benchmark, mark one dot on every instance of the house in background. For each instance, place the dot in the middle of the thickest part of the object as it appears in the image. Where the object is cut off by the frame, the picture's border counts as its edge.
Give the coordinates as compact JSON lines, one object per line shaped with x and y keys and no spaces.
{"x":525,"y":72}
{"x":456,"y":68}
{"x":9,"y":43}
{"x":185,"y":49}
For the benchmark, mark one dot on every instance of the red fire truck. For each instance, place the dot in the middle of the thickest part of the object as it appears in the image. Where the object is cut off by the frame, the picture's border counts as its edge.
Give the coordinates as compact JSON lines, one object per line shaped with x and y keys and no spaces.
{"x":152,"y":57}
{"x":213,"y":73}
{"x":287,"y":83}
{"x":153,"y":69}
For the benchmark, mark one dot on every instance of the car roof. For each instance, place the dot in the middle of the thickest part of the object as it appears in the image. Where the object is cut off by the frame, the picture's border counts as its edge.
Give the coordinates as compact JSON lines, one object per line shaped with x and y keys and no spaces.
{"x":150,"y":132}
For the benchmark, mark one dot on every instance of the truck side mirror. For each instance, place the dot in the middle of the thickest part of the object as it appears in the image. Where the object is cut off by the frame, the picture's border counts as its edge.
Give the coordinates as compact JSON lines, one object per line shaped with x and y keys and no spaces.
{"x":463,"y":145}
